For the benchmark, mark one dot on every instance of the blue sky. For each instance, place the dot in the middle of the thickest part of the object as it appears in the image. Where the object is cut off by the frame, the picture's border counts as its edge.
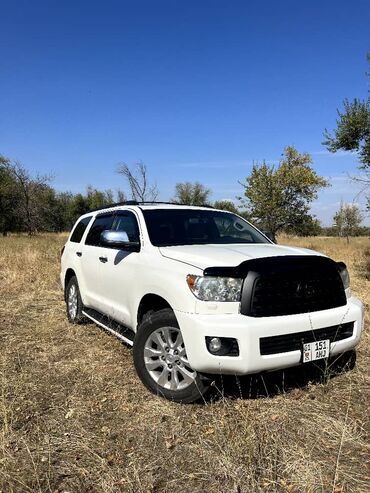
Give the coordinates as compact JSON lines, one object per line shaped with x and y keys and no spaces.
{"x":195,"y":89}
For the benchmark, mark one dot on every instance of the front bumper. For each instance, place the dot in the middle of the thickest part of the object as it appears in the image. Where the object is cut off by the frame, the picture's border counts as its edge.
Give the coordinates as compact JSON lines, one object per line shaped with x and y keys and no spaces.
{"x":249,"y":330}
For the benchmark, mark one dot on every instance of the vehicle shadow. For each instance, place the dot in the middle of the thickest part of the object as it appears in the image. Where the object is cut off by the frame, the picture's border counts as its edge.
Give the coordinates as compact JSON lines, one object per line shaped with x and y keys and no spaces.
{"x":271,"y":384}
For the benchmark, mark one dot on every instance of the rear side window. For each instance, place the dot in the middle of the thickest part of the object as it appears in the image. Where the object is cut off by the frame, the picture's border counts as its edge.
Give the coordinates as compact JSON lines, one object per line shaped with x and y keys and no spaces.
{"x":101,"y":223}
{"x":79,"y":230}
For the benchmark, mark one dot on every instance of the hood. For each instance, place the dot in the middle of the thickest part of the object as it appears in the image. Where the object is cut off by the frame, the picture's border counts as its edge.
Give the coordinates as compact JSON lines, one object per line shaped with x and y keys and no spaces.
{"x":203,"y":256}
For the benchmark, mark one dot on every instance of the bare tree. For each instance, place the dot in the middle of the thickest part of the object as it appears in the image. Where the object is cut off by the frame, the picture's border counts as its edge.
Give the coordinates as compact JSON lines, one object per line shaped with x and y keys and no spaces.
{"x":121,"y":197}
{"x":32,"y":194}
{"x":137,"y":178}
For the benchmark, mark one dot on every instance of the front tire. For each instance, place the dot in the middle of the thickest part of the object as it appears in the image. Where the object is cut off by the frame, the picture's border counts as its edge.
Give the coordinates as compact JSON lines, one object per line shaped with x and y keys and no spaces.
{"x":161,"y":362}
{"x":74,"y":302}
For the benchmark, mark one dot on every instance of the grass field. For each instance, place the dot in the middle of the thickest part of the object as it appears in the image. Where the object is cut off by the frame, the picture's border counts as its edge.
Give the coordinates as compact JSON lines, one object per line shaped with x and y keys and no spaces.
{"x":75,"y":418}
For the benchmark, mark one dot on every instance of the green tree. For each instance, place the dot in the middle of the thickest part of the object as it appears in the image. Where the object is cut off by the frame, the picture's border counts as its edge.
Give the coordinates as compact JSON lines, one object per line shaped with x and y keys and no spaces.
{"x":309,"y":226}
{"x":99,"y":198}
{"x":56,"y":213}
{"x":72,"y":206}
{"x":353,"y":131}
{"x":9,"y":198}
{"x":347,"y":220}
{"x":65,"y":217}
{"x":191,"y":193}
{"x":279,"y":198}
{"x":226,"y":205}
{"x":78,"y":206}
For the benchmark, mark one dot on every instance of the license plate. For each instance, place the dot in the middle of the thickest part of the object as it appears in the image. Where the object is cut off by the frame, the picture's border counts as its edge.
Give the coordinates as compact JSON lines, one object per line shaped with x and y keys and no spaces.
{"x":316,"y":350}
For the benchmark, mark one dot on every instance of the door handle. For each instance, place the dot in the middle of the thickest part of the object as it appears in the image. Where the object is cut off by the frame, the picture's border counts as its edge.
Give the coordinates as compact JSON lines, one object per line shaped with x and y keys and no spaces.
{"x":79,"y":254}
{"x":103,"y":259}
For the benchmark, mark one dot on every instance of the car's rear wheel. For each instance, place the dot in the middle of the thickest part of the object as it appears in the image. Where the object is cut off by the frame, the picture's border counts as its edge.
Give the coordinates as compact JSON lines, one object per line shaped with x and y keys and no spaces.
{"x":161,"y":361}
{"x":74,"y":302}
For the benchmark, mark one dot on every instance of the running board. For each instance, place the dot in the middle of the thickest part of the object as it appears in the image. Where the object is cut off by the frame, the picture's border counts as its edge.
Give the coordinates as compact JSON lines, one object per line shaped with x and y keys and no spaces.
{"x":124,"y":333}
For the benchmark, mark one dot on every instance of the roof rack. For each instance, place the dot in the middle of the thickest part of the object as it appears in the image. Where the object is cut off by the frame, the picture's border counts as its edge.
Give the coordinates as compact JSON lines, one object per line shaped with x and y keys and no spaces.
{"x":170,"y":203}
{"x":135,"y":202}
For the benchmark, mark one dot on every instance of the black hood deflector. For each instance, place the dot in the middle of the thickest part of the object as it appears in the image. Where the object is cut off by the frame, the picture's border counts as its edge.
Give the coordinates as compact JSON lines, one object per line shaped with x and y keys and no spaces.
{"x":271,"y":264}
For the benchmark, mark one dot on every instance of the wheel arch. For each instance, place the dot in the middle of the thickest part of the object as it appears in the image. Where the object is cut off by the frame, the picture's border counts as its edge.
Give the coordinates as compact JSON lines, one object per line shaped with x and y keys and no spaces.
{"x":151,"y":302}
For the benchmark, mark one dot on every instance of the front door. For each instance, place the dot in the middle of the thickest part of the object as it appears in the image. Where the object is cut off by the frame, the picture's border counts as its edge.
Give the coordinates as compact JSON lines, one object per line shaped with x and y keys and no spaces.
{"x":92,"y":262}
{"x":119,"y":273}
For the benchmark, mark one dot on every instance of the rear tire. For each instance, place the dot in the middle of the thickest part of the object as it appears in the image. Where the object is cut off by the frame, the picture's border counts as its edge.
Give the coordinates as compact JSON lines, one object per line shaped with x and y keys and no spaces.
{"x":161,"y":362}
{"x":73,"y":302}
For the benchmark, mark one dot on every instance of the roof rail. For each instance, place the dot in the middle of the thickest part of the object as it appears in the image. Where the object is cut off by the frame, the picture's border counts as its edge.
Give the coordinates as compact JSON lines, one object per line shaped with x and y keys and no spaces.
{"x":172,"y":203}
{"x":135,"y":202}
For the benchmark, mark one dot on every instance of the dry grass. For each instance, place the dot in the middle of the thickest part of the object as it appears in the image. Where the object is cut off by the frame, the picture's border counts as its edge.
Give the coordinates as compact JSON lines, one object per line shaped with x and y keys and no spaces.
{"x":75,"y":417}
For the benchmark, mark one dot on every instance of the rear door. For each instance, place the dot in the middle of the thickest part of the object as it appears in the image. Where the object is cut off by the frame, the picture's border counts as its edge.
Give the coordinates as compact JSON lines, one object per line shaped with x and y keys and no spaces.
{"x":73,"y":251}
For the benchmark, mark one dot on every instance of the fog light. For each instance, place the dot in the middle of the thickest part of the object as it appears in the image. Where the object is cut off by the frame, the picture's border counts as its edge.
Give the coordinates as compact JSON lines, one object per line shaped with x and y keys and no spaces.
{"x":214,"y":344}
{"x":222,"y":346}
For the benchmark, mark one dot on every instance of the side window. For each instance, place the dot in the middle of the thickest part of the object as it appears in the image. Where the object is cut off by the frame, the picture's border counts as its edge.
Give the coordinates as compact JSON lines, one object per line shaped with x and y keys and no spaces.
{"x":126,"y":221}
{"x":101,"y":223}
{"x":79,"y":230}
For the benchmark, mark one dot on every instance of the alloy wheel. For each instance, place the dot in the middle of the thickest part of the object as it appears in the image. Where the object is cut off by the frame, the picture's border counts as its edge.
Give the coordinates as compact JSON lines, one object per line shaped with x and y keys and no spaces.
{"x":166,"y":361}
{"x":72,"y":301}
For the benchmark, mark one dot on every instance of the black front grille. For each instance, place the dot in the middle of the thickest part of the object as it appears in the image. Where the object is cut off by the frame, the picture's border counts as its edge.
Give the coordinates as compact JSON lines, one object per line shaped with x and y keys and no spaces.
{"x":273,"y":296}
{"x":293,"y":342}
{"x":277,"y":286}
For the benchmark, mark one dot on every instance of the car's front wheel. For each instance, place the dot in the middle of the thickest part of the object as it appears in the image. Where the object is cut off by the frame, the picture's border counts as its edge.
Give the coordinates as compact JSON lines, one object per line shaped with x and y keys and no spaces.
{"x":161,"y":361}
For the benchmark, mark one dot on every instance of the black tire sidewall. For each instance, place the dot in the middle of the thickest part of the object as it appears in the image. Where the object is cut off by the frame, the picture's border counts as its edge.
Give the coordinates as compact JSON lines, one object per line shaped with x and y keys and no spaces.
{"x":163,"y":318}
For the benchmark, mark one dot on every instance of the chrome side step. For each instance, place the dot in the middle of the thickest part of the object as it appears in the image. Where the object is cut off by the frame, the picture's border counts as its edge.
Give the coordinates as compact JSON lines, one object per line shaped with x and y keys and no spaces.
{"x":121,"y":332}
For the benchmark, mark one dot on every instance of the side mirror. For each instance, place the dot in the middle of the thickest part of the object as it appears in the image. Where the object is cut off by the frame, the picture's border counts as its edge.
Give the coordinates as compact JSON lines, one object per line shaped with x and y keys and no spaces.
{"x":117,"y":239}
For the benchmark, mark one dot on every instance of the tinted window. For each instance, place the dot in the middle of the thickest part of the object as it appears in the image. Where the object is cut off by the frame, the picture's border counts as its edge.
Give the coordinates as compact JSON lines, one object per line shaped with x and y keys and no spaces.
{"x":79,"y":230}
{"x":101,"y":223}
{"x":126,"y":221}
{"x":196,"y":227}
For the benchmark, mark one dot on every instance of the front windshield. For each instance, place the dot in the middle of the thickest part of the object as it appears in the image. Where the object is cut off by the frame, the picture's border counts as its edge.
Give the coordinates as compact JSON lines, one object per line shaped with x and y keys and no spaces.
{"x":168,"y":227}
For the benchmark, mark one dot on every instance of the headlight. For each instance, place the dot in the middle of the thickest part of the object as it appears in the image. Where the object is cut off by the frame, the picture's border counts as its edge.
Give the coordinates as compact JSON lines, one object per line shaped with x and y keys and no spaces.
{"x":215,"y":288}
{"x":343,"y":274}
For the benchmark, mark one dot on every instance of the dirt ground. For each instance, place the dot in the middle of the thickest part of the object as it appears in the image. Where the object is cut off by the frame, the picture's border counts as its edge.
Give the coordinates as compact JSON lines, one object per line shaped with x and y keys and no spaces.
{"x":75,"y":418}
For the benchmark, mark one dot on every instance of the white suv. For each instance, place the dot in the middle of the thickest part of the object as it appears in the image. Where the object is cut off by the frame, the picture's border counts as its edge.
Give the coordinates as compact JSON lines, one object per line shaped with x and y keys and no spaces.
{"x":200,"y":291}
